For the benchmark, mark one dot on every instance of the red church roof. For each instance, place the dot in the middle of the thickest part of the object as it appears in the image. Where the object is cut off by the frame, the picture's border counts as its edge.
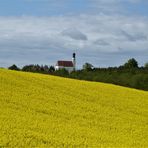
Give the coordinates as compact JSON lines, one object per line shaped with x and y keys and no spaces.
{"x":65,"y":63}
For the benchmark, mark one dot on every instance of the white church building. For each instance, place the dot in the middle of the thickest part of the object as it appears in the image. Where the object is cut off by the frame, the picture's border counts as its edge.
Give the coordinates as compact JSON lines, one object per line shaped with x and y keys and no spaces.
{"x":68,"y":65}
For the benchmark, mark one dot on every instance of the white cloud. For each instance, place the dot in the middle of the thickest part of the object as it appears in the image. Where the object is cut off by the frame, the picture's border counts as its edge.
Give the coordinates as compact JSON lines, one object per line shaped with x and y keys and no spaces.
{"x":118,"y":6}
{"x":25,"y":40}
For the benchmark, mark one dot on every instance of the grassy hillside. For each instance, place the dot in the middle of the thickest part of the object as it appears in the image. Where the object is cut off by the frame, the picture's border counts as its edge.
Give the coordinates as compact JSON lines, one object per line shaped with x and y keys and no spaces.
{"x":43,"y":111}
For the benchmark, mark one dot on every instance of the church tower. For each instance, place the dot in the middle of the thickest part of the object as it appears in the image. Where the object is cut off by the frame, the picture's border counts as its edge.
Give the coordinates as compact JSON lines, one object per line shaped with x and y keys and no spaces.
{"x":74,"y":61}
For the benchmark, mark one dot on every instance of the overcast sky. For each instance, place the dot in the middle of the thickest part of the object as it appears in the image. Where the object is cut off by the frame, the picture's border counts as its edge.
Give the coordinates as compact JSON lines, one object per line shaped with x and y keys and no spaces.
{"x":101,"y":32}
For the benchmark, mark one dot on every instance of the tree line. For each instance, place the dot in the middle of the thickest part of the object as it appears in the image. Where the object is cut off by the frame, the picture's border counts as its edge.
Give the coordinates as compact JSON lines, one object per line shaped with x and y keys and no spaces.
{"x":128,"y":74}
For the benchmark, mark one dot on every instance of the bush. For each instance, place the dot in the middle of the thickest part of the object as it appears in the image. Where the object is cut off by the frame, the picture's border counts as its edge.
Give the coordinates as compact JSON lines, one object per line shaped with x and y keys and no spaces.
{"x":62,"y":72}
{"x":13,"y":67}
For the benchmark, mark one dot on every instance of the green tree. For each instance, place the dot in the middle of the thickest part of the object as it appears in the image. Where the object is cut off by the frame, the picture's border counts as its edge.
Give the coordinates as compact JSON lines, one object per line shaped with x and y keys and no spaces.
{"x":146,"y":65}
{"x":51,"y":69}
{"x":131,"y":63}
{"x":62,"y":72}
{"x":13,"y":67}
{"x":87,"y":67}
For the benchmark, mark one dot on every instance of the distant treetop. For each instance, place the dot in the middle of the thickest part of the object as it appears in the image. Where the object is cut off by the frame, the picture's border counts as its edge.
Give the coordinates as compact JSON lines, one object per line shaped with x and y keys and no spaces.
{"x":131,"y":63}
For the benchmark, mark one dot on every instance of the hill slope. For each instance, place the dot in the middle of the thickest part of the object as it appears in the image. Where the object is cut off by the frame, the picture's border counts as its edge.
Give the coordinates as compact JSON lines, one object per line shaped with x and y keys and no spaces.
{"x":43,"y":111}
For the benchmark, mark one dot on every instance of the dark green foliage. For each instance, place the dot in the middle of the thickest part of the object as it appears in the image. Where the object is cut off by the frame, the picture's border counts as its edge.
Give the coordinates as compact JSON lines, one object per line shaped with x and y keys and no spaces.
{"x":51,"y":69}
{"x":135,"y":78}
{"x":132,"y":63}
{"x":61,"y":72}
{"x":39,"y":69}
{"x":87,"y":67}
{"x":13,"y":67}
{"x":146,"y":65}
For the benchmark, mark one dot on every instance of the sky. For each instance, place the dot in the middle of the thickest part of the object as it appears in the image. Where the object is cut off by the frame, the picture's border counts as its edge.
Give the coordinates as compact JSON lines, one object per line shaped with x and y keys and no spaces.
{"x":101,"y":32}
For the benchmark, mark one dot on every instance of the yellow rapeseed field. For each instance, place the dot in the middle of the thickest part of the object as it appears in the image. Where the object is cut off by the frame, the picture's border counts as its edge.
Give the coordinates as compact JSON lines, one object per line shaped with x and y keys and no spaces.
{"x":47,"y":111}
